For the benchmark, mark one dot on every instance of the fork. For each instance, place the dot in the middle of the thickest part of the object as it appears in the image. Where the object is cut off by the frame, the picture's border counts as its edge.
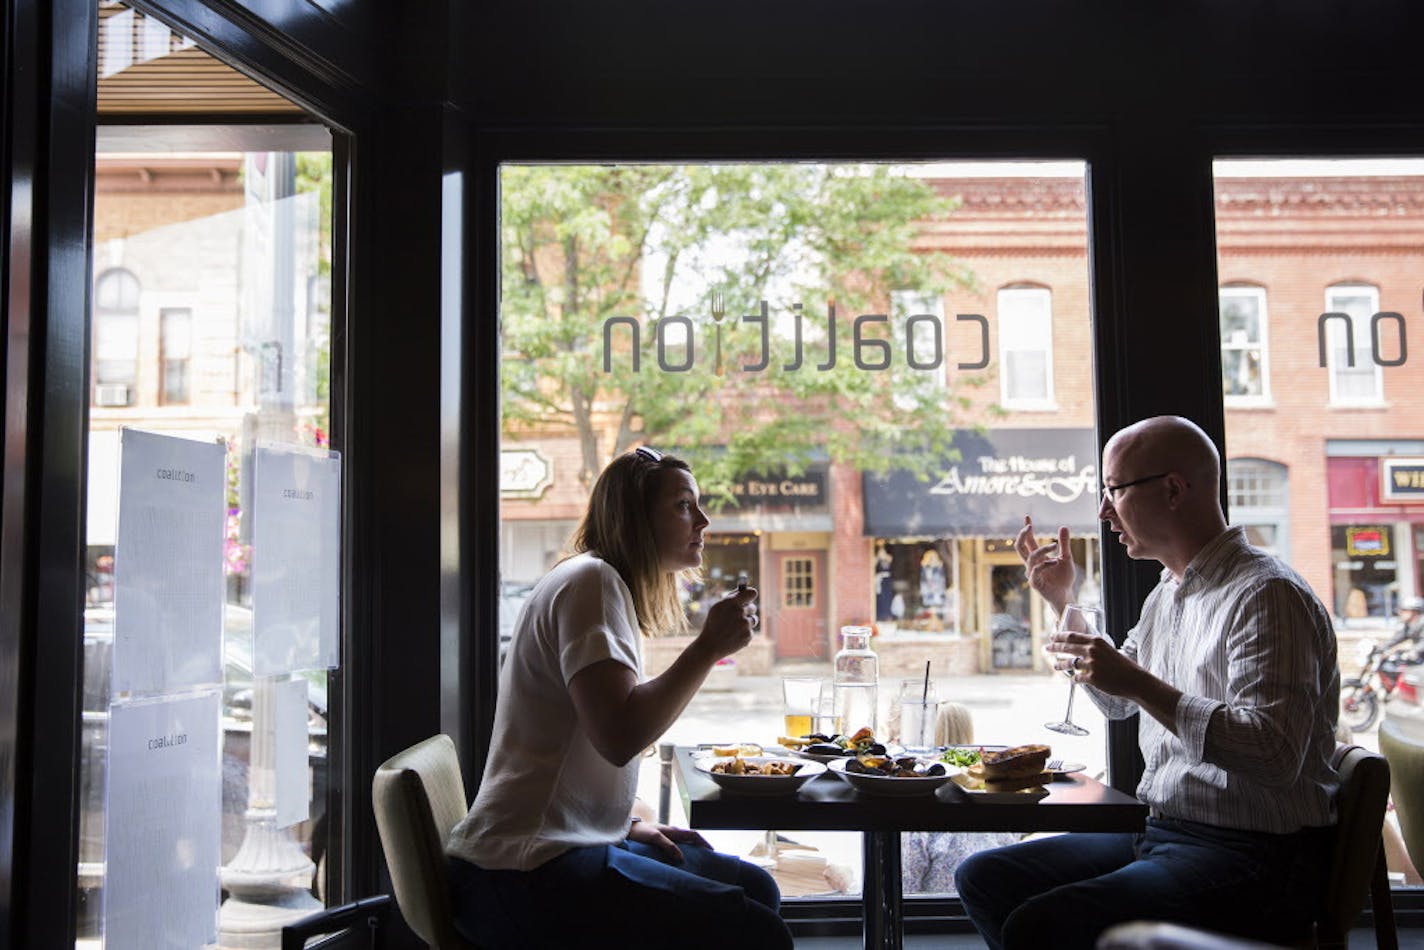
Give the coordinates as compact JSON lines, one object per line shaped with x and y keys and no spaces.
{"x":718,"y":312}
{"x":1054,"y":765}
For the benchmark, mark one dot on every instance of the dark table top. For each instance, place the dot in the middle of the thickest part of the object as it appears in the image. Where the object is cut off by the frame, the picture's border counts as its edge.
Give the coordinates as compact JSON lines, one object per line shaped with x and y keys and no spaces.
{"x":828,"y":803}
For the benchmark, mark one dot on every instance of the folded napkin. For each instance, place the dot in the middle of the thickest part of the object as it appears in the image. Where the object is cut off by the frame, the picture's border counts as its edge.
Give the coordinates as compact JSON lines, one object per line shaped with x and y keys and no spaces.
{"x":802,"y":871}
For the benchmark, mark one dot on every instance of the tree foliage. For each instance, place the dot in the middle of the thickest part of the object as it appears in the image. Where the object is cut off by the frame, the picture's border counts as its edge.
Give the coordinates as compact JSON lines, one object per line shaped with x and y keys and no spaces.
{"x":583,"y":244}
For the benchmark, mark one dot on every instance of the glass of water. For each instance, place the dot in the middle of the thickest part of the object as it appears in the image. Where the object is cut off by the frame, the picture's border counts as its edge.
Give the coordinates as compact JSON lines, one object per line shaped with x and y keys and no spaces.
{"x":919,"y":710}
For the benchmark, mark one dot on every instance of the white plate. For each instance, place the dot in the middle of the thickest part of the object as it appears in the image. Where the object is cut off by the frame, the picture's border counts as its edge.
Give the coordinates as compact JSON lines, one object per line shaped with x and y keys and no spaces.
{"x":975,"y":789}
{"x":892,"y":750}
{"x":889,"y":784}
{"x":817,"y":757}
{"x":761,"y":784}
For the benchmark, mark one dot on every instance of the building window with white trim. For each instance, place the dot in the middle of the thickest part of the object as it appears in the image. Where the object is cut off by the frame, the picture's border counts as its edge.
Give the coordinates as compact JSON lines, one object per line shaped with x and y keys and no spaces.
{"x":116,"y":295}
{"x":924,"y":341}
{"x":1355,"y":377}
{"x":175,"y":352}
{"x":1258,"y":499}
{"x":1026,"y":348}
{"x":1244,"y":378}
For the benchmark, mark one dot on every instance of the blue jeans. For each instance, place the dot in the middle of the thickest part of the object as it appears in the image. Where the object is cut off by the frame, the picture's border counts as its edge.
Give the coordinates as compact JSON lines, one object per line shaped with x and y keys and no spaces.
{"x":625,"y":894}
{"x":1070,"y":888}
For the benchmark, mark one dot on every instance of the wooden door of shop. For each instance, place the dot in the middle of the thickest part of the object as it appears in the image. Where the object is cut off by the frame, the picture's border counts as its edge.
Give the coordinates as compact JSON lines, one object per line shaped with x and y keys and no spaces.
{"x":796,"y":612}
{"x":1008,"y":614}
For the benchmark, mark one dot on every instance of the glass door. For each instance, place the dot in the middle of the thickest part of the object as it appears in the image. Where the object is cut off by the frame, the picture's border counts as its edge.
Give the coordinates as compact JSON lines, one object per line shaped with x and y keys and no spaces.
{"x":211,"y":339}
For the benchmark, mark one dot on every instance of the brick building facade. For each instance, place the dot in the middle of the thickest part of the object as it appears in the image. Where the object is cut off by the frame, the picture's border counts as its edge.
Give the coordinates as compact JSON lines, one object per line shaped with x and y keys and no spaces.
{"x":1309,"y":461}
{"x":1292,"y":237}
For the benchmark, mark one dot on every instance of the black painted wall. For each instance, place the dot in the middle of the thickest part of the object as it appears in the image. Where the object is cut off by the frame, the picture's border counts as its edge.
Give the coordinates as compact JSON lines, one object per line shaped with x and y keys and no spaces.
{"x":852,"y":63}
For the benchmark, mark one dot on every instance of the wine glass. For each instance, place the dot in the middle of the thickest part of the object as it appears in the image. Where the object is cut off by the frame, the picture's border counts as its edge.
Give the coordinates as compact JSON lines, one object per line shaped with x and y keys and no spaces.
{"x":1081,"y":620}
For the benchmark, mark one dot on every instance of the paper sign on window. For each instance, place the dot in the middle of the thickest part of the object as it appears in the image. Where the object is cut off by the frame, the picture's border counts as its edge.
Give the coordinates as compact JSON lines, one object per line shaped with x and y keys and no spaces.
{"x":168,"y":563}
{"x":289,"y":741}
{"x":163,"y":833}
{"x":296,"y":559}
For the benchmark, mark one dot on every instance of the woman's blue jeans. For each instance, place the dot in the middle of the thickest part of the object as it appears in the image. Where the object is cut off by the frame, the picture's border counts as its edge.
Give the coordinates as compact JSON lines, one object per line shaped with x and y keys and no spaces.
{"x":626,"y":894}
{"x":1068,"y":889}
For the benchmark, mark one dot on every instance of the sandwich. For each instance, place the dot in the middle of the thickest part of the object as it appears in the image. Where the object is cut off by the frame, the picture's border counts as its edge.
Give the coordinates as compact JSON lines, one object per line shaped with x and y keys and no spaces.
{"x":1015,"y":768}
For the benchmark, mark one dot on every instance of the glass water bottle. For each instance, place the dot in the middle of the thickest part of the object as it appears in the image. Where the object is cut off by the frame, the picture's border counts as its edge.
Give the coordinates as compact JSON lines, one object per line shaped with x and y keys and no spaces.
{"x":857,"y":679}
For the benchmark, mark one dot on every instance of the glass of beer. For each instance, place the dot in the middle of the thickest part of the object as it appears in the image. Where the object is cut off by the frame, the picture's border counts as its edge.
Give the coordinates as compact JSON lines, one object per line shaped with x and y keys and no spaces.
{"x":800,"y":697}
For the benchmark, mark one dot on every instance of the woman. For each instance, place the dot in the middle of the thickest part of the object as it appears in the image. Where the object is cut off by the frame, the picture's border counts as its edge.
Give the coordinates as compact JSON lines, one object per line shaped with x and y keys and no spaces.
{"x":930,"y":857}
{"x":550,"y":854}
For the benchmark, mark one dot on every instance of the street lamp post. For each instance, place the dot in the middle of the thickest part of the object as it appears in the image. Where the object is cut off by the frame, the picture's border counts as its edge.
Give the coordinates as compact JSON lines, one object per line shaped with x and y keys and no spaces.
{"x":269,"y":878}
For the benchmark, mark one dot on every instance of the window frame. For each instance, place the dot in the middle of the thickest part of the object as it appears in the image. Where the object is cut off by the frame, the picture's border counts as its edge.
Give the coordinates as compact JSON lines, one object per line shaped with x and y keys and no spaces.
{"x":1258,"y":293}
{"x":1276,"y":516}
{"x":1048,"y":401}
{"x":1354,"y":288}
{"x":164,"y":397}
{"x":104,"y":316}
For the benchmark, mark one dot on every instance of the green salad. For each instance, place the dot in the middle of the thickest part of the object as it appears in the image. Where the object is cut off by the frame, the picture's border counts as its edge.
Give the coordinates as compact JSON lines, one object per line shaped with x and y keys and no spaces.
{"x":961,"y":757}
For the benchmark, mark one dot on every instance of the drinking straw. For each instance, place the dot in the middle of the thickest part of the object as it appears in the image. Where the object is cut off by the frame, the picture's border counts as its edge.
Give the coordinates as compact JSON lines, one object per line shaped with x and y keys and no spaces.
{"x":925,"y":697}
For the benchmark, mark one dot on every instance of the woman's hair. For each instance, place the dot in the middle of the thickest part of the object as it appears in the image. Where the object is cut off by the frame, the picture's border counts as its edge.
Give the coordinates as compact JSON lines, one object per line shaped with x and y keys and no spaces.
{"x":617,"y":529}
{"x":954,"y":725}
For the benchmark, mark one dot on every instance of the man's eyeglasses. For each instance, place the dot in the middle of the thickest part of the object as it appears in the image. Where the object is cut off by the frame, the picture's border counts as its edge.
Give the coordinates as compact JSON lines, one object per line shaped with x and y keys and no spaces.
{"x":1110,"y":491}
{"x":652,"y":455}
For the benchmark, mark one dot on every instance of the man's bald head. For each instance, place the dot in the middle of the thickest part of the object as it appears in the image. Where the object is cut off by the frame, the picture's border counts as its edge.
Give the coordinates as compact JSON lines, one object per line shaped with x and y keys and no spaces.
{"x":1164,"y":443}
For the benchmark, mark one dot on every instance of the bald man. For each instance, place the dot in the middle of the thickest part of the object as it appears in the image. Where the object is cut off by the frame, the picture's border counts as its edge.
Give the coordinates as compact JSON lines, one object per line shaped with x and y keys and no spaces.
{"x":1233,"y":669}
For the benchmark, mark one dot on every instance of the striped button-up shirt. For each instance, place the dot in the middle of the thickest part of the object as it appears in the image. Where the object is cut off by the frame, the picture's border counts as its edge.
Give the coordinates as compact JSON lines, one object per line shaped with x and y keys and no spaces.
{"x":1252,"y":650}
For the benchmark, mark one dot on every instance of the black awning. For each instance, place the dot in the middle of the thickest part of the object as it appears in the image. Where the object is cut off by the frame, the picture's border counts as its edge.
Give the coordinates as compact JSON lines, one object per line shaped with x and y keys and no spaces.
{"x":1000,"y":476}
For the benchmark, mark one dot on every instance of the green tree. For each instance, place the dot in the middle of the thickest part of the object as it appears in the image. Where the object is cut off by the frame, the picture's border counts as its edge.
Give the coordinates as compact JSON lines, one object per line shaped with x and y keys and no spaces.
{"x":583,"y":244}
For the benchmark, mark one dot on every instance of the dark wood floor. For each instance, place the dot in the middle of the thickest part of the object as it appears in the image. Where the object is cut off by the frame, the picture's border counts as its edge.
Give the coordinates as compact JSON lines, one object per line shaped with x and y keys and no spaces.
{"x":1412,"y":939}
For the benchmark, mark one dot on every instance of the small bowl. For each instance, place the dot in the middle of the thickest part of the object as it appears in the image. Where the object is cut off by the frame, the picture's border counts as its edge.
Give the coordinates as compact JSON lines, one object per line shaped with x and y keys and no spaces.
{"x":890,"y":785}
{"x":761,"y":784}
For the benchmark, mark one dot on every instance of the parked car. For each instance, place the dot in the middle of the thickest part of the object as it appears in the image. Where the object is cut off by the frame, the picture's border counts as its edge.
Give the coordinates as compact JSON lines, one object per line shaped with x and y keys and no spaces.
{"x":1406,"y":709}
{"x":512,"y":596}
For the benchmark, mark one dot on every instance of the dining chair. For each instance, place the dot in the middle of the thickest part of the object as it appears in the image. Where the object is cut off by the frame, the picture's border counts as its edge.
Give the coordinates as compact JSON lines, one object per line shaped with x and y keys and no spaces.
{"x":1357,"y":867}
{"x":1405,"y":751}
{"x":418,"y":797}
{"x":1357,"y":870}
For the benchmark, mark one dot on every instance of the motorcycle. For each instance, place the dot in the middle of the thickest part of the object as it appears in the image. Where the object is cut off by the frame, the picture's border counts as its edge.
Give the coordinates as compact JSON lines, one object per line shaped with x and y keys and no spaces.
{"x":1363,"y":697}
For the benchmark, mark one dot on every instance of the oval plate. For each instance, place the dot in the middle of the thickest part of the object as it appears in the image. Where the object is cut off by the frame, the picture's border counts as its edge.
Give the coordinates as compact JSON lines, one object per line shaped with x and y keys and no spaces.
{"x":889,"y":785}
{"x":760,"y":784}
{"x":818,"y":757}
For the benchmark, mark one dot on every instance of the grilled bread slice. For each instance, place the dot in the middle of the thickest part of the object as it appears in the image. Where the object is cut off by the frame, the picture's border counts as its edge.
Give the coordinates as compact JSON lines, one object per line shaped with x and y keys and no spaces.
{"x":1021,"y":761}
{"x":976,"y":772}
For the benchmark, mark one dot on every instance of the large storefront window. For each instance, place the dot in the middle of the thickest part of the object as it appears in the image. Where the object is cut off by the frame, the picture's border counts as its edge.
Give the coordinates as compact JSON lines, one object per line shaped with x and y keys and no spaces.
{"x":1319,"y":262}
{"x":207,"y":345}
{"x":876,"y":371}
